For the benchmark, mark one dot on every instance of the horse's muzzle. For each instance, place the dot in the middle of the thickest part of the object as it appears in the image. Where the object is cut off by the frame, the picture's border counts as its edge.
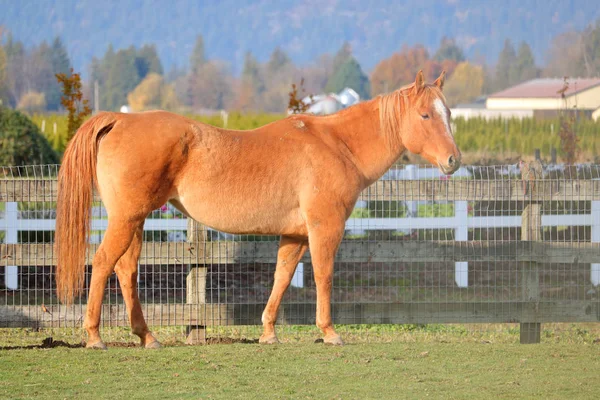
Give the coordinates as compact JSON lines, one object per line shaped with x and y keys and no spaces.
{"x":450,"y":165}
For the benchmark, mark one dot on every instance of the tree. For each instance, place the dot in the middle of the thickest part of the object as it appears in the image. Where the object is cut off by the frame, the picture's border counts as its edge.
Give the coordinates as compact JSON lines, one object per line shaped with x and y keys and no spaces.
{"x":32,"y":102}
{"x":122,"y":77}
{"x":591,"y":50}
{"x":60,"y":64}
{"x":152,"y":93}
{"x":525,"y":64}
{"x":506,"y":67}
{"x":277,"y":61}
{"x":15,"y":72}
{"x":209,"y":87}
{"x":398,"y":70}
{"x":342,"y":55}
{"x":118,"y":73}
{"x":4,"y":99}
{"x":197,"y":58}
{"x":317,"y":74}
{"x":72,"y":100}
{"x":147,"y":61}
{"x":38,"y":71}
{"x":465,"y":84}
{"x":565,"y":56}
{"x":350,"y":75}
{"x":21,"y":142}
{"x":449,"y":50}
{"x":251,"y":86}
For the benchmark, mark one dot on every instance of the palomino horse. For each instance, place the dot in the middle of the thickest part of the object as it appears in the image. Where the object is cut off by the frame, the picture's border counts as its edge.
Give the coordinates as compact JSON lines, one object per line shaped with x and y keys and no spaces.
{"x":298,"y":178}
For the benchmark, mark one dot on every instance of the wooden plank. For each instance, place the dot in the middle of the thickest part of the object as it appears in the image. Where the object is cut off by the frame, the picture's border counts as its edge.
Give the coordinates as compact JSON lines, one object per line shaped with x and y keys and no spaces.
{"x":304,"y":313}
{"x":227,"y":252}
{"x":393,"y":190}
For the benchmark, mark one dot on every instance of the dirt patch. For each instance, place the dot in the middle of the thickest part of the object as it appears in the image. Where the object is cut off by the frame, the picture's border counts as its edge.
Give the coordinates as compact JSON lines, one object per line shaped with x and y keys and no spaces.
{"x":122,"y":344}
{"x":226,"y":340}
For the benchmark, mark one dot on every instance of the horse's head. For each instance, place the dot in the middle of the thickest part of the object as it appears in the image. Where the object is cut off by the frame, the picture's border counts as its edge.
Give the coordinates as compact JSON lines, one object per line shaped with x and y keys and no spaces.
{"x":426,"y":126}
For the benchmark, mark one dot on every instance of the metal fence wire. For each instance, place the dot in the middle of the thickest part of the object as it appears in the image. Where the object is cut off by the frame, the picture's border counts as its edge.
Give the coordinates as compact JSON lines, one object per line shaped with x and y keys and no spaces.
{"x":498,"y":244}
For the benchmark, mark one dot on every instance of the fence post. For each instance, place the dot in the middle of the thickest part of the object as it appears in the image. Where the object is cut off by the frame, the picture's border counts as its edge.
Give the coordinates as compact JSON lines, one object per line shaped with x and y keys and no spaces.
{"x":531,"y":225}
{"x":11,"y":274}
{"x":595,"y":268}
{"x":196,"y":279}
{"x":461,"y":234}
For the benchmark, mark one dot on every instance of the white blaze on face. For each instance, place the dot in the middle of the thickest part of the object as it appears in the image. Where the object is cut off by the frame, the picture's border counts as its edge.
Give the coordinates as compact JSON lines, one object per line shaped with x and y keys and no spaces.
{"x":440,"y":108}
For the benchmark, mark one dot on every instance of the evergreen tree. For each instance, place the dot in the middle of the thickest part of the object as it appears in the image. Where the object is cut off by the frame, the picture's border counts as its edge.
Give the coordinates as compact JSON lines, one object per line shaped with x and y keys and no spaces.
{"x":449,"y":50}
{"x":525,"y":66}
{"x":198,"y":57}
{"x":15,"y":72}
{"x":343,"y":55}
{"x":60,"y":64}
{"x":4,"y":100}
{"x":277,"y":61}
{"x":350,"y":75}
{"x":122,"y":77}
{"x":39,"y":74}
{"x":506,"y":67}
{"x":251,"y":74}
{"x":147,"y":61}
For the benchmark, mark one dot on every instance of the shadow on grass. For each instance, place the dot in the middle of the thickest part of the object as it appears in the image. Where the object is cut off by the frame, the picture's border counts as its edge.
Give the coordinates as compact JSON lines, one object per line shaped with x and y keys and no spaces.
{"x":47,"y":343}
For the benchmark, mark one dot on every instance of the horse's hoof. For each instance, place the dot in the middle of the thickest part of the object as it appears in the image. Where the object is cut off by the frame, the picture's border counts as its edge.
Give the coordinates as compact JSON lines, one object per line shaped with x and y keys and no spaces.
{"x":96,"y":346}
{"x":153,"y":345}
{"x":333,"y":340}
{"x":268,"y":340}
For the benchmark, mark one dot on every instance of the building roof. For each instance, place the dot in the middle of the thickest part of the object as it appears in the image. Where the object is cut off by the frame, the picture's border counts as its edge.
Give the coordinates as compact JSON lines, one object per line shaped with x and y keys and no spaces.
{"x":547,"y":87}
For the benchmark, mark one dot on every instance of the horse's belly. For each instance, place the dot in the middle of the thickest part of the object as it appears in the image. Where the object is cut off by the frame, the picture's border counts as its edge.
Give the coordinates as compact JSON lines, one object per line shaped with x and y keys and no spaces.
{"x":244,"y":216}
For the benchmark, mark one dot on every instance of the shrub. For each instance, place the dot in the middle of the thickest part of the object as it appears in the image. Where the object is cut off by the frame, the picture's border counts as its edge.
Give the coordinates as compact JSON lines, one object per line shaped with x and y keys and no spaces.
{"x":21,"y":142}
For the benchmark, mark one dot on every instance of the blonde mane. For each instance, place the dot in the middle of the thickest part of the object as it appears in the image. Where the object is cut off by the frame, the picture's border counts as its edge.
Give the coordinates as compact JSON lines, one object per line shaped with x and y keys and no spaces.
{"x":393,"y":105}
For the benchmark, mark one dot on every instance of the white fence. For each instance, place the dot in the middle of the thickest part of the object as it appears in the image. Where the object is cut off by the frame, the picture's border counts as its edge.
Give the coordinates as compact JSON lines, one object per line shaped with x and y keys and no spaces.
{"x":461,"y":222}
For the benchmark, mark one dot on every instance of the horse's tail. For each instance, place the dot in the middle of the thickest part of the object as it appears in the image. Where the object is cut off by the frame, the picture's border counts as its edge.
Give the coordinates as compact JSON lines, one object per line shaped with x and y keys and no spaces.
{"x":76,"y":181}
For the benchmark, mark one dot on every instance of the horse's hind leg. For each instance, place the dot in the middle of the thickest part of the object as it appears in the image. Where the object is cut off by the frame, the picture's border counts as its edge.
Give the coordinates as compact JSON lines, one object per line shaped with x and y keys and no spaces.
{"x":126,"y":270}
{"x":116,"y":241}
{"x":290,"y":252}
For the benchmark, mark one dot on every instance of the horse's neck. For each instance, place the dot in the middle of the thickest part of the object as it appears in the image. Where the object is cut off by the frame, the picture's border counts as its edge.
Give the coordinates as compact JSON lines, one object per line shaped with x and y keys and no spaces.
{"x":360,"y":130}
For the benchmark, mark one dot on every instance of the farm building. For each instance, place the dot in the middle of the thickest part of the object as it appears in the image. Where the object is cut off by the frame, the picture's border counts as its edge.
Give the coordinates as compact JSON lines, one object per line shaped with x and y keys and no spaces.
{"x":330,"y":103}
{"x":542,"y":97}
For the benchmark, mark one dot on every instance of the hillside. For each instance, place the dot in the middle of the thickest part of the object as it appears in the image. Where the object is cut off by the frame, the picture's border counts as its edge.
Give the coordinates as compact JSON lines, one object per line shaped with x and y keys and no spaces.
{"x":303,"y":29}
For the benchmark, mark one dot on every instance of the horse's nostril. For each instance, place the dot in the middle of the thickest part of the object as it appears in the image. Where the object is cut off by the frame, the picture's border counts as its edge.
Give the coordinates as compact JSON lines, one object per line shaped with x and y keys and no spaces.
{"x":451,"y":161}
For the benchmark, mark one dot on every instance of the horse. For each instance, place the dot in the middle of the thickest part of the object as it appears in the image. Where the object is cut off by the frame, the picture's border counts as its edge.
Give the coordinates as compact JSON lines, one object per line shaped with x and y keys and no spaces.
{"x":298,"y":178}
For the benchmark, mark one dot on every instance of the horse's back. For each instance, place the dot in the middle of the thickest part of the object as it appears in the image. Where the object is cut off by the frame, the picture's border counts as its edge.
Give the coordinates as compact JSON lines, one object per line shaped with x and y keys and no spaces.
{"x":236,"y":181}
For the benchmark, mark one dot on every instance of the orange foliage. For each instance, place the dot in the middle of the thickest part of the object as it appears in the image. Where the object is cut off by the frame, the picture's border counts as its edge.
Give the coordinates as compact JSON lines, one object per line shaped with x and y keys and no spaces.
{"x":401,"y":67}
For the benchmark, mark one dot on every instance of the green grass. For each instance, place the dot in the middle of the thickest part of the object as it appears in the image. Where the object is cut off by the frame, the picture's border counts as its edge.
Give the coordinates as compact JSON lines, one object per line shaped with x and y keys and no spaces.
{"x":305,"y":370}
{"x":379,"y":361}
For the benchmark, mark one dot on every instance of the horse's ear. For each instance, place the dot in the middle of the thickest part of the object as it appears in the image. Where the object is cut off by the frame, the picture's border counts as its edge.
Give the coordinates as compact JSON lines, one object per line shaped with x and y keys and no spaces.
{"x":419,"y":82}
{"x":439,"y":82}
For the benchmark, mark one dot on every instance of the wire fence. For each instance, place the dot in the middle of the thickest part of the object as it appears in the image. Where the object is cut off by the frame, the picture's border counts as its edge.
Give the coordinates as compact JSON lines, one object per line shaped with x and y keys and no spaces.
{"x":499,"y":244}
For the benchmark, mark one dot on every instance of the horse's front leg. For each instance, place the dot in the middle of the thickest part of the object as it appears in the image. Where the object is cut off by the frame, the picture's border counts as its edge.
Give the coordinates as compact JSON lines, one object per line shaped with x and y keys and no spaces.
{"x":324,"y":240}
{"x":290,"y":252}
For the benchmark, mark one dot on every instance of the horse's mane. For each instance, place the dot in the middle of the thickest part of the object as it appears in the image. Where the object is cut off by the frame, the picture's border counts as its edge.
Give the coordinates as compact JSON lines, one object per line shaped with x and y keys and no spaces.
{"x":393,"y":105}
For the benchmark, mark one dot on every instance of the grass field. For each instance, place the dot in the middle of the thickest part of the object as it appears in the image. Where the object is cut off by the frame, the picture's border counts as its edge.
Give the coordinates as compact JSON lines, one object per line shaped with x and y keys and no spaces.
{"x":378,"y":362}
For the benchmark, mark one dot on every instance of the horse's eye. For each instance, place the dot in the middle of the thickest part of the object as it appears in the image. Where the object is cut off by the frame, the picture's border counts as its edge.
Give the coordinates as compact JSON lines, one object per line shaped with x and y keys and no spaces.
{"x":425,"y":116}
